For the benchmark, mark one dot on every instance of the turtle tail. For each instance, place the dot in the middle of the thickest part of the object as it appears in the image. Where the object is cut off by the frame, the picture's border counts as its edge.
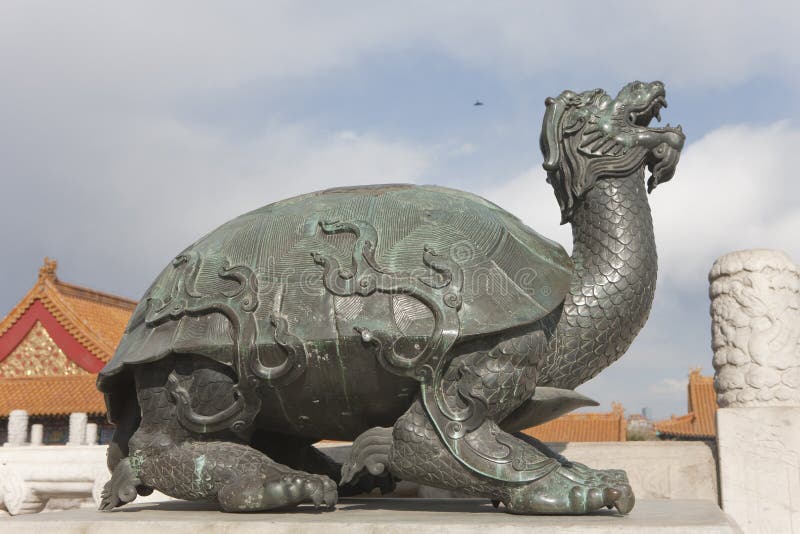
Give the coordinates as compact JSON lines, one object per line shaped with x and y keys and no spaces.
{"x":124,"y":411}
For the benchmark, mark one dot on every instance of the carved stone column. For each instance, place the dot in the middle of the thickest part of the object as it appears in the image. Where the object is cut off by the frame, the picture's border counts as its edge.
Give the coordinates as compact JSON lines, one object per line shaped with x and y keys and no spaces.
{"x":17,"y":428}
{"x":755,"y":312}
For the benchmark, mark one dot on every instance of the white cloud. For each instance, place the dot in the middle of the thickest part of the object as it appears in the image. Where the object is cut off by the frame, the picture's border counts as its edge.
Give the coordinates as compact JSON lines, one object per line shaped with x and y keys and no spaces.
{"x":116,"y":202}
{"x":100,"y":170}
{"x":144,"y":52}
{"x":464,"y":149}
{"x":735,"y":188}
{"x":668,"y":387}
{"x":531,"y":199}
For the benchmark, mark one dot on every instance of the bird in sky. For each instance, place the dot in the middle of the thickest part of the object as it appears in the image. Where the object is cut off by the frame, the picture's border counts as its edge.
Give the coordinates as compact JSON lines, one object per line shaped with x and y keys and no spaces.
{"x":478,"y":103}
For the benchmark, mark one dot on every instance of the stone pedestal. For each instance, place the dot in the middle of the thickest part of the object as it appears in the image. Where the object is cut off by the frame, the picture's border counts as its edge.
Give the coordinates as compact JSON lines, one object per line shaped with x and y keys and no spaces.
{"x":387,"y":516}
{"x":656,"y":469}
{"x":755,"y":312}
{"x":759,"y":452}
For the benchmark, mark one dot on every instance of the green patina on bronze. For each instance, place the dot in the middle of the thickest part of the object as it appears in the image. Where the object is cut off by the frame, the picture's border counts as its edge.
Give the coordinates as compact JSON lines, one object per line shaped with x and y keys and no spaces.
{"x":341,"y":313}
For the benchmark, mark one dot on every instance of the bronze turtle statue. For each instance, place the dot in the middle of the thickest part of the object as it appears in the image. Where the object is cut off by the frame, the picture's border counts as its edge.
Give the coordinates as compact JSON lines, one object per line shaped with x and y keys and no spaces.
{"x":426,"y":324}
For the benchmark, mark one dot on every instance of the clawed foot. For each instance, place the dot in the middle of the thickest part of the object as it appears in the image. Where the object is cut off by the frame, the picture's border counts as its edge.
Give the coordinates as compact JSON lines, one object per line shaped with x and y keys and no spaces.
{"x":121,"y":489}
{"x":255,"y":492}
{"x":299,"y":487}
{"x":365,"y":468}
{"x":573,"y":490}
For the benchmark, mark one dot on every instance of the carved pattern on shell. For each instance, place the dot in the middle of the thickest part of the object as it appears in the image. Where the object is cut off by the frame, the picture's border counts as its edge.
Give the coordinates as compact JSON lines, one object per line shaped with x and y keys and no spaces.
{"x":182,"y":298}
{"x":438,"y":289}
{"x":459,"y":416}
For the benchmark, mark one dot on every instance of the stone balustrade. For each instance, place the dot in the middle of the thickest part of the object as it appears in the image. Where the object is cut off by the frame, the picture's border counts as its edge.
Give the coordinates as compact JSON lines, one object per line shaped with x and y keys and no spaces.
{"x":31,"y":476}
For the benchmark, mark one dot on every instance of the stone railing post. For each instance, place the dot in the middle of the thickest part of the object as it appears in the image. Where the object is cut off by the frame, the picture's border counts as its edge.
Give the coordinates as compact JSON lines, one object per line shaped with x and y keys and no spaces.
{"x":91,"y":434}
{"x":37,"y":434}
{"x":17,"y":428}
{"x":77,"y":428}
{"x":755,"y":313}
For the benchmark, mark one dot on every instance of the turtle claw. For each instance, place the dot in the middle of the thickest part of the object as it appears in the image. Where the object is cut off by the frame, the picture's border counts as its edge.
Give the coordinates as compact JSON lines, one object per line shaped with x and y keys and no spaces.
{"x":625,"y":503}
{"x":572,"y":491}
{"x":121,"y":489}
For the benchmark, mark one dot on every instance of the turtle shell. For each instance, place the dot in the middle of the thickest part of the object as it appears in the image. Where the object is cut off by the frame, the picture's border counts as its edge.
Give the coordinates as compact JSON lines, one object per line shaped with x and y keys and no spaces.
{"x":511,"y":275}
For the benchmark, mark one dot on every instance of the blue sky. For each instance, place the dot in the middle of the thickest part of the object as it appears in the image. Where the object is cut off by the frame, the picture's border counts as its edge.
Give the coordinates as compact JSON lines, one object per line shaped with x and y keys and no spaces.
{"x":226,"y":107}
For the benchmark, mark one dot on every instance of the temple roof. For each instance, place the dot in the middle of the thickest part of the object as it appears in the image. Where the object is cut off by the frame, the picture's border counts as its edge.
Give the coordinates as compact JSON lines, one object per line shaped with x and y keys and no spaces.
{"x":93,"y":319}
{"x":583,"y":427}
{"x":54,"y":341}
{"x":700,"y":422}
{"x":51,"y":395}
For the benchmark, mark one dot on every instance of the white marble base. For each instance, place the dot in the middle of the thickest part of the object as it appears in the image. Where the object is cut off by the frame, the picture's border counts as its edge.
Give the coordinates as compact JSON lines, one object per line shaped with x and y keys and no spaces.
{"x":759,"y":456}
{"x":385,"y":516}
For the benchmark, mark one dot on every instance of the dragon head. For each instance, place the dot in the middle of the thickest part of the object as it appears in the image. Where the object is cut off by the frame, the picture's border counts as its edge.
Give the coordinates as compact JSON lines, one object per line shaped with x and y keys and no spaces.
{"x":589,"y":136}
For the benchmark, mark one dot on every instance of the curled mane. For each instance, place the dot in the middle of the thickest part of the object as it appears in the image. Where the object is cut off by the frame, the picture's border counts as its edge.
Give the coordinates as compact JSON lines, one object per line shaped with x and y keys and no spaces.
{"x":570,"y":125}
{"x":589,"y":136}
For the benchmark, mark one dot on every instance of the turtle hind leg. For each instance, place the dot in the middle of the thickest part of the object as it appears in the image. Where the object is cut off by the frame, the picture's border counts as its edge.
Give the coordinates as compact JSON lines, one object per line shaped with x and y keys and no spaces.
{"x":240,"y":478}
{"x":211,"y":467}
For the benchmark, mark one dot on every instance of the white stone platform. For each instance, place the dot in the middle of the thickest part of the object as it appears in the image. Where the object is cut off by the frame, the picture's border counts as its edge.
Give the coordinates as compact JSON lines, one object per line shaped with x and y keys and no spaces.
{"x":385,"y":516}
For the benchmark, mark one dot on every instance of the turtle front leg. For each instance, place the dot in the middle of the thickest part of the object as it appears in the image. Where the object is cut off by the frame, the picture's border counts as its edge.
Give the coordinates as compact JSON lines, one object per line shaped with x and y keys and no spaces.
{"x":417,"y":454}
{"x":502,"y":377}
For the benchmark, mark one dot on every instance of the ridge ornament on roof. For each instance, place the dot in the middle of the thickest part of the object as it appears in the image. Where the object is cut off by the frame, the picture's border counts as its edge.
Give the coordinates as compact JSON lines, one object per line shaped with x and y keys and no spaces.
{"x":52,"y":343}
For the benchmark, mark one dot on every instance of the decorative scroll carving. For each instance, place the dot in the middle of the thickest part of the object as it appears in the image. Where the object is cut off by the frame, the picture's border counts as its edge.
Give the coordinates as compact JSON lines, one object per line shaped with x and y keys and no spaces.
{"x":296,"y":356}
{"x":439,"y":290}
{"x":587,"y":136}
{"x":238,"y":305}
